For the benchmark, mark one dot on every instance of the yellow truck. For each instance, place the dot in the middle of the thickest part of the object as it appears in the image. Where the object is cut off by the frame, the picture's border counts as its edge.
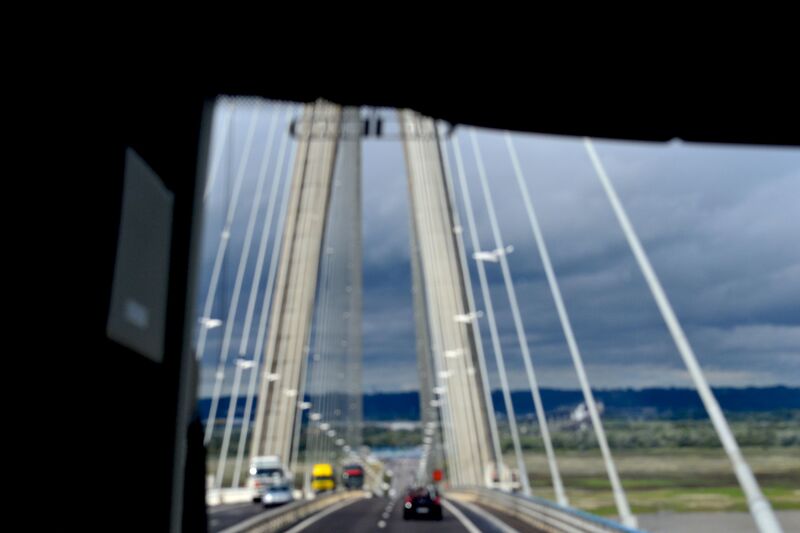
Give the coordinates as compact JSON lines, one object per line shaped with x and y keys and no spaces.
{"x":322,"y":478}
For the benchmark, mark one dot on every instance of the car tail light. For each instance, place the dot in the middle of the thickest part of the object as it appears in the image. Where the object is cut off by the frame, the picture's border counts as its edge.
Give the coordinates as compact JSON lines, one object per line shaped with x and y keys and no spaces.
{"x":408,"y":499}
{"x":437,"y":500}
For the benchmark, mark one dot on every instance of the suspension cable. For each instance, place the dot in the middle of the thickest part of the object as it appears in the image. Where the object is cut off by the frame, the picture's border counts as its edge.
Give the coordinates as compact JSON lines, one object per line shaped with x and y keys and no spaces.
{"x":487,"y":302}
{"x":452,"y":444}
{"x":212,"y":175}
{"x":760,"y":508}
{"x":222,"y":247}
{"x":265,"y":309}
{"x":240,"y":368}
{"x":454,"y":363}
{"x":496,"y":447}
{"x":520,"y":328}
{"x":234,"y":306}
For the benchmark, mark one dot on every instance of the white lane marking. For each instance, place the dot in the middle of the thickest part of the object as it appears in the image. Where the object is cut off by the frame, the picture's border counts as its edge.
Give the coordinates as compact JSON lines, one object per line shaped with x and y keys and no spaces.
{"x":381,"y":524}
{"x":489,"y":517}
{"x":322,"y":514}
{"x":466,"y":522}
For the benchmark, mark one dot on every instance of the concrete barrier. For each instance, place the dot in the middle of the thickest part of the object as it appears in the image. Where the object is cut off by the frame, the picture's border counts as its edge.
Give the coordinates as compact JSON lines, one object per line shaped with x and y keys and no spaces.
{"x":540,"y":513}
{"x":220,"y":496}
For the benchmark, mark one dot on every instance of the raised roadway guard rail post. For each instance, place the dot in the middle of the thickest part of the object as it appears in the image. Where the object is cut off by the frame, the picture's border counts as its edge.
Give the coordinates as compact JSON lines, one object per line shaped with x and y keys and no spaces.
{"x":540,"y":513}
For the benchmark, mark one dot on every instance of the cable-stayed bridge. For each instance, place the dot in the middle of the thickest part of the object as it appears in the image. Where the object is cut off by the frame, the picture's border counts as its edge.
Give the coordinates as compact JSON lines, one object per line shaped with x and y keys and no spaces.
{"x":295,"y":352}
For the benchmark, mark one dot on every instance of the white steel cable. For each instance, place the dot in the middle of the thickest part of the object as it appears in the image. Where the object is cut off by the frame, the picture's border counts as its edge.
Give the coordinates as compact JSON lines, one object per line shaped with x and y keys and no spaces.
{"x":495,"y":435}
{"x":230,"y":319}
{"x":265,"y":233}
{"x":577,"y":359}
{"x":457,"y":388}
{"x":331,"y":289}
{"x":265,"y":308}
{"x":222,"y":247}
{"x":425,"y":362}
{"x":221,"y":147}
{"x":760,"y":508}
{"x":277,"y":406}
{"x":475,"y":415}
{"x":558,"y":486}
{"x":278,"y":427}
{"x":322,"y":350}
{"x":443,"y":402}
{"x":316,"y":378}
{"x":256,"y":278}
{"x":487,"y":302}
{"x":328,"y":346}
{"x":323,"y":318}
{"x":223,"y":242}
{"x":458,"y":393}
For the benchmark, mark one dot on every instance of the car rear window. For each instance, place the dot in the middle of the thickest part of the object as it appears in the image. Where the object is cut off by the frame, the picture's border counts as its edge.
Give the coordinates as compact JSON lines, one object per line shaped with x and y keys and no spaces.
{"x":269,"y":472}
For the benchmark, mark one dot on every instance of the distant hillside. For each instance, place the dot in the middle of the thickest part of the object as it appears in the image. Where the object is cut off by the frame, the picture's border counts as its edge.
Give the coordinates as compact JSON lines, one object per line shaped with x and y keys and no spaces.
{"x":661,"y":403}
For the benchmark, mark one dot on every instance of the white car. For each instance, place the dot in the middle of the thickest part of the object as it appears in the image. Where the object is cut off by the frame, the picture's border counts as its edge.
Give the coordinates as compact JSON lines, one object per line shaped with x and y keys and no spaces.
{"x":266,"y":471}
{"x":277,"y":495}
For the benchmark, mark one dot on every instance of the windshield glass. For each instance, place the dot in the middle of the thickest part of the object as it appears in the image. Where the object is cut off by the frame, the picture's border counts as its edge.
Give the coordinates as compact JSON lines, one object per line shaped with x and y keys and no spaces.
{"x":268,"y":472}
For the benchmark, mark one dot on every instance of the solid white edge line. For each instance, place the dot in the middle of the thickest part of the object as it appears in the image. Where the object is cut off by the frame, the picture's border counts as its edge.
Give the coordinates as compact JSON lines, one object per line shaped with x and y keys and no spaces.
{"x":489,"y":517}
{"x":466,"y":522}
{"x":322,"y":514}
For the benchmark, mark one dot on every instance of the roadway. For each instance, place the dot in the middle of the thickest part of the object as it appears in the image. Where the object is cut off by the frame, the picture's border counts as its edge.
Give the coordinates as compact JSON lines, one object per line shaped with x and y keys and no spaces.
{"x":227,"y":515}
{"x":383,"y":514}
{"x":386,"y":515}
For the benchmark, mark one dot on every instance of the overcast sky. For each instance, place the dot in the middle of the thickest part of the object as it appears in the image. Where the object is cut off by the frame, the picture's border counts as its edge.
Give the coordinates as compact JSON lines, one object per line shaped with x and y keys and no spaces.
{"x":720,"y":224}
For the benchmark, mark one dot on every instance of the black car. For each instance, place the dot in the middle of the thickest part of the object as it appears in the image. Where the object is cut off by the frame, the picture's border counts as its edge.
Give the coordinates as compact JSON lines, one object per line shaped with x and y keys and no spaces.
{"x":422,"y":502}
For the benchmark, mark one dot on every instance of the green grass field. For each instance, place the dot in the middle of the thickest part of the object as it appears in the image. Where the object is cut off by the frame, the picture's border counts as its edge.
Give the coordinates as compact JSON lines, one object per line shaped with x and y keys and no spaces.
{"x":663,"y":465}
{"x":669,"y":479}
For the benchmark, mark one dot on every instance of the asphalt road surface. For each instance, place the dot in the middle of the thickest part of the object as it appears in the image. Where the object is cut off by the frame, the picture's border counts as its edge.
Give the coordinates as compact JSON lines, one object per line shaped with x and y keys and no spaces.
{"x":382,"y":514}
{"x":224,"y":516}
{"x":386,"y":515}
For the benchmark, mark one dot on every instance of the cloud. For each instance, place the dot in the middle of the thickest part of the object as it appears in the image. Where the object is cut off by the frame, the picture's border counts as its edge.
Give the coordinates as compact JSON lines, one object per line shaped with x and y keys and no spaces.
{"x":720,"y":224}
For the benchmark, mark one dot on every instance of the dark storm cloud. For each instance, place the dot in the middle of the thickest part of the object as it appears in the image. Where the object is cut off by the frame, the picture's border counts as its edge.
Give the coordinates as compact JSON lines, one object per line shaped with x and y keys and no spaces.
{"x":719,"y":223}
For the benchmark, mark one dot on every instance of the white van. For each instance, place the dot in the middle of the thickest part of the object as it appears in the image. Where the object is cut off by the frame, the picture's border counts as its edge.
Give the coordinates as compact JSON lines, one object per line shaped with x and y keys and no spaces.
{"x":266,"y":471}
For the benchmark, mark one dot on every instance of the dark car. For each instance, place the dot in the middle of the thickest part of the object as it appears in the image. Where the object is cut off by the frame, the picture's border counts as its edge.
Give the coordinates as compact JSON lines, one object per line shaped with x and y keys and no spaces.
{"x":422,"y":502}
